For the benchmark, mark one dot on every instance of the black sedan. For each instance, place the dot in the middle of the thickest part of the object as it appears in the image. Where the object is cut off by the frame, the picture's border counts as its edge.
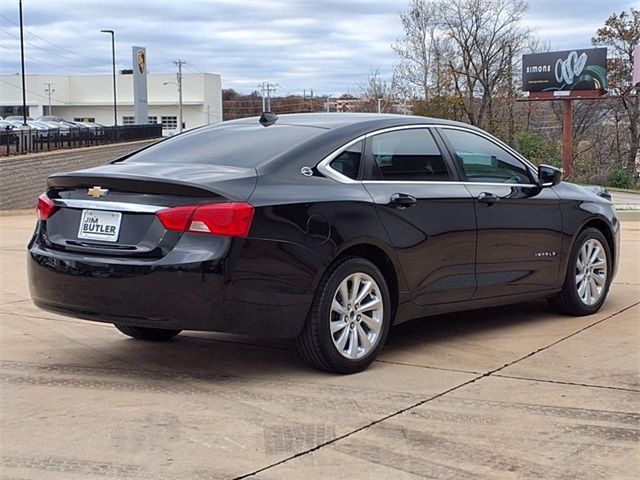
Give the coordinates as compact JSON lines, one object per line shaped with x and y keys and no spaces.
{"x":327,"y":228}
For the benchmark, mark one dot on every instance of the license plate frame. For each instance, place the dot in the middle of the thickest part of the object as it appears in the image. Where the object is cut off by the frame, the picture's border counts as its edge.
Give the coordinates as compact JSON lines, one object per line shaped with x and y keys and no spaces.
{"x":101,"y":225}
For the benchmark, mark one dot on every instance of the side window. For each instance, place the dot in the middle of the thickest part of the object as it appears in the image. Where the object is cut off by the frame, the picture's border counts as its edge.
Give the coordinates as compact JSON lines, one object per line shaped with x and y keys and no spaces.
{"x":485,"y":162}
{"x":409,"y":155}
{"x":348,"y":162}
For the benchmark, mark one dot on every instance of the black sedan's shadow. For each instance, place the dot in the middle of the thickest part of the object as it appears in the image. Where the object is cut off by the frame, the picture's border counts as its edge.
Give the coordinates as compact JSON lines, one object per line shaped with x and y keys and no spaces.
{"x":450,"y":326}
{"x":212,"y":356}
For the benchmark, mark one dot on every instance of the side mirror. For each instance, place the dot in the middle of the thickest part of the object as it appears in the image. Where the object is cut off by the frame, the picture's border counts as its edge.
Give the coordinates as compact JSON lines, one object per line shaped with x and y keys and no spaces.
{"x":549,"y":176}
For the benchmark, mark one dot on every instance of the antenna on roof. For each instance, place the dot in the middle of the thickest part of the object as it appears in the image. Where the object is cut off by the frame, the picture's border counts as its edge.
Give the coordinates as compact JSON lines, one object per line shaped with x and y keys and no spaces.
{"x":268,"y":118}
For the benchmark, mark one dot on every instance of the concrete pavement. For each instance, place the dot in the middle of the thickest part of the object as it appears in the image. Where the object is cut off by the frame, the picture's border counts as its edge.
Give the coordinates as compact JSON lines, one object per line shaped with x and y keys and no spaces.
{"x":515,"y":392}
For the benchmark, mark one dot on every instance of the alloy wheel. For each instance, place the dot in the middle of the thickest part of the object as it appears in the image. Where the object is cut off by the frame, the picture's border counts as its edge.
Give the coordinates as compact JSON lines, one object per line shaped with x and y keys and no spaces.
{"x":591,"y":272}
{"x":356,"y":316}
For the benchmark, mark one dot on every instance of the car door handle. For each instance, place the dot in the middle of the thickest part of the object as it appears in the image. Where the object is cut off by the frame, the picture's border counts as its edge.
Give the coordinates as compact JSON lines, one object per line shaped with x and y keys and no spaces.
{"x":488,"y":198}
{"x":402,"y":200}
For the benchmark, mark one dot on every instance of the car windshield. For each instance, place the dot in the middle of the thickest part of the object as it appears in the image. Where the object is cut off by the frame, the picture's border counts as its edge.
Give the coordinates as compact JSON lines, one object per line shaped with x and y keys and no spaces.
{"x":242,"y":145}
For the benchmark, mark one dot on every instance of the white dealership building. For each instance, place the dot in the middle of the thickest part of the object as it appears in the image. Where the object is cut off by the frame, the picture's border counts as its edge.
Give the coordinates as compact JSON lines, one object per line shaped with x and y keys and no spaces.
{"x":90,"y":98}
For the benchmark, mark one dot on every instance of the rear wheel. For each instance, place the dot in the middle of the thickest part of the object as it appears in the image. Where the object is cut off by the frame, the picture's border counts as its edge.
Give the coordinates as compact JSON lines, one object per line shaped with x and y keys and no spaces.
{"x":587,"y":279}
{"x":349,"y":318}
{"x":145,"y":333}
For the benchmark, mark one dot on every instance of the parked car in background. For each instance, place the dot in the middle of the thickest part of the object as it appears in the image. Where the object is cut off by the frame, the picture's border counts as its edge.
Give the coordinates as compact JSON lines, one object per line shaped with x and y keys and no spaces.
{"x":62,"y":129}
{"x":325,"y":227}
{"x":19,"y":118}
{"x":51,"y":118}
{"x":7,"y":137}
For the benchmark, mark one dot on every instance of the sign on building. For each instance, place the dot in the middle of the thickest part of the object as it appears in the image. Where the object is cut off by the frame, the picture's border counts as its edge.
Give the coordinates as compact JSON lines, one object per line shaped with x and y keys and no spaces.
{"x":564,"y":71}
{"x":141,"y":106}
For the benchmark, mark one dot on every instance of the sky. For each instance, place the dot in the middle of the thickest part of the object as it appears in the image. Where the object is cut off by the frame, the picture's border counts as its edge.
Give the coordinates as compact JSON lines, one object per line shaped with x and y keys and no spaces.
{"x":329,"y":46}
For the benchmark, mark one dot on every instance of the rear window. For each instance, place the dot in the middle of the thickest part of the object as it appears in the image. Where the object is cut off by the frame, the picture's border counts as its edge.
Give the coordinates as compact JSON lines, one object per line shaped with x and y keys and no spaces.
{"x":240,"y":145}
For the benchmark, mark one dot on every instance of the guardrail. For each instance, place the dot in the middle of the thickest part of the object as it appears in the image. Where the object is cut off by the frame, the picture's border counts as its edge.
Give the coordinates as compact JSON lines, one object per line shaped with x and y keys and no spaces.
{"x":18,"y":141}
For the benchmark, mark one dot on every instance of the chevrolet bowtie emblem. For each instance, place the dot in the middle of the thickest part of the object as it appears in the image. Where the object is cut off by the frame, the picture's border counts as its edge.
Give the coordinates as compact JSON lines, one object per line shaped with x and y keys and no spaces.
{"x":97,"y":192}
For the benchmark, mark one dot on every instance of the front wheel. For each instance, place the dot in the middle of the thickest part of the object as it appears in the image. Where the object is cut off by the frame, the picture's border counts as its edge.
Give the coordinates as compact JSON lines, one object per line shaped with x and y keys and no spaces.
{"x":588,"y":275}
{"x":145,"y":333}
{"x":349,"y":319}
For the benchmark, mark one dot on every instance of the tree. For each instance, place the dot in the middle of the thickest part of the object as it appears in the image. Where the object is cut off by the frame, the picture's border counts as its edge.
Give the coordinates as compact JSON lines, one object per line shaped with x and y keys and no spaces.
{"x":375,"y":90}
{"x":487,"y":35}
{"x":422,"y":50}
{"x":621,"y":34}
{"x":463,"y":49}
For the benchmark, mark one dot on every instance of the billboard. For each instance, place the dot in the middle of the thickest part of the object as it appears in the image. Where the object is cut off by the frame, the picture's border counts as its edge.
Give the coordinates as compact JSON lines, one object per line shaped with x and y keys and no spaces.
{"x":564,"y":71}
{"x":141,"y":106}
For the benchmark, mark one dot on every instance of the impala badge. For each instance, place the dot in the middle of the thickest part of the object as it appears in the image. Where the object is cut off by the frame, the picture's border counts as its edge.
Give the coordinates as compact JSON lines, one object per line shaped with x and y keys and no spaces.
{"x":97,"y":192}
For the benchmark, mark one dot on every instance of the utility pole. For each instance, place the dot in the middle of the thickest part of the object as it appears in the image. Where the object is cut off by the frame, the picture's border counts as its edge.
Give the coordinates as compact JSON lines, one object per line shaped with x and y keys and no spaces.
{"x":264,"y":99}
{"x":179,"y":63}
{"x":266,"y":88}
{"x":49,"y":91}
{"x":327,"y":105}
{"x":24,"y":87}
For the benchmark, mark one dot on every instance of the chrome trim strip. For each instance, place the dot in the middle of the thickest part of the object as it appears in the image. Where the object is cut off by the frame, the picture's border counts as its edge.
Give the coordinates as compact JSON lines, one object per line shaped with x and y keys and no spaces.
{"x":427,"y":182}
{"x":111,"y":206}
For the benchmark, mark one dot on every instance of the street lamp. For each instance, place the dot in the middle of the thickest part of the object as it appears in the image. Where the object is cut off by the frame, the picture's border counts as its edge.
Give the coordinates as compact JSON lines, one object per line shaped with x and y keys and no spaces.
{"x":179,"y":85}
{"x":113,"y":60}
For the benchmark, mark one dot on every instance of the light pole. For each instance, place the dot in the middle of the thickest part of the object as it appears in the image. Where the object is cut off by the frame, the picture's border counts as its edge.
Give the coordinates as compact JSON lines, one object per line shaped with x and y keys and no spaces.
{"x":179,"y":103}
{"x":113,"y":61}
{"x":24,"y":88}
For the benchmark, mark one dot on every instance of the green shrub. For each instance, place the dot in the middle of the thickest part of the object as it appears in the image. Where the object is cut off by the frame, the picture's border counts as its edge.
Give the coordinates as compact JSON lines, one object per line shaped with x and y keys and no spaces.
{"x":620,"y":177}
{"x":533,"y":147}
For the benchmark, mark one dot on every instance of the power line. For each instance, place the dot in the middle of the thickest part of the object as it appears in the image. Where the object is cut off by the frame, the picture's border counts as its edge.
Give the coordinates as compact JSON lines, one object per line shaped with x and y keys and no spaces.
{"x":49,"y":52}
{"x":45,"y":40}
{"x":42,"y":62}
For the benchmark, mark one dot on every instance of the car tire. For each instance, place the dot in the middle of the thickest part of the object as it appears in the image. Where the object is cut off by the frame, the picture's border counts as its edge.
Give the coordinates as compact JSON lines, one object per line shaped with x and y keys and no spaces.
{"x":588,"y":275}
{"x":349,"y":319}
{"x":145,"y":333}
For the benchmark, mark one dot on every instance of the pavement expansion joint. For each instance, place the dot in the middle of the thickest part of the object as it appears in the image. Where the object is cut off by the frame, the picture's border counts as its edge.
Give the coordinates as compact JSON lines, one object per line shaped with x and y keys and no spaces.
{"x":560,"y":382}
{"x":13,"y":302}
{"x":404,"y":364}
{"x":431,"y":398}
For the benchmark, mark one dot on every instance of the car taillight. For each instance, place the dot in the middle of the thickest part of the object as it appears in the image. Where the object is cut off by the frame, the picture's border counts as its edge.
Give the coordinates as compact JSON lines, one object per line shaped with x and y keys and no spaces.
{"x":46,"y":208}
{"x":227,"y":219}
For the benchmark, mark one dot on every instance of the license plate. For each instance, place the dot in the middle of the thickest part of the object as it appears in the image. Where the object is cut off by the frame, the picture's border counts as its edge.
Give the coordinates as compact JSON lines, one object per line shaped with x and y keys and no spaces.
{"x":100,"y":225}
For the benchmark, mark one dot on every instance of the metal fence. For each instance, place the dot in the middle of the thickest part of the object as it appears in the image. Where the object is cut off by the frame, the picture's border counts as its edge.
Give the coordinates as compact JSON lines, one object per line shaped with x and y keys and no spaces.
{"x":19,"y":141}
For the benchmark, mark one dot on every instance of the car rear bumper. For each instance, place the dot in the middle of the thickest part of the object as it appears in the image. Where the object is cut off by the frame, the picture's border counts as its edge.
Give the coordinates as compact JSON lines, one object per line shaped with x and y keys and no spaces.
{"x":259,"y":291}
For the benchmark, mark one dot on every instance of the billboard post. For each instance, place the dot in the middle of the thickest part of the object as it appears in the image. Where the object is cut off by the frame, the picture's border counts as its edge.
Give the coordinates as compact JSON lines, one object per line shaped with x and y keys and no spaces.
{"x":567,"y":75}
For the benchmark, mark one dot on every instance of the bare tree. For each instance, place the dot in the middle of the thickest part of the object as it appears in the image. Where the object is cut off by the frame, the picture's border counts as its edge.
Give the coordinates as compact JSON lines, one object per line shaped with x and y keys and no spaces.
{"x":422,"y":50}
{"x":375,"y":89}
{"x":487,"y":34}
{"x":463,"y":49}
{"x":621,"y":34}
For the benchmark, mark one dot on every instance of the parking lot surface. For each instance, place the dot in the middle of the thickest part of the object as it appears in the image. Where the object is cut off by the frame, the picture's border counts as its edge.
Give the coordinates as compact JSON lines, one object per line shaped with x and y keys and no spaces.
{"x":518,"y":392}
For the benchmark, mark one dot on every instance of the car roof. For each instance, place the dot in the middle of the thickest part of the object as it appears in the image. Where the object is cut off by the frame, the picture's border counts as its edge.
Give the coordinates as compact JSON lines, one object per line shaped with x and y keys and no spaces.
{"x":336,"y":120}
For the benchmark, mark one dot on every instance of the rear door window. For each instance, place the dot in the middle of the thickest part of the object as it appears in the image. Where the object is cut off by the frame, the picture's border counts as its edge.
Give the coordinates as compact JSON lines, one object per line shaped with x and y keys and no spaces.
{"x":409,"y":155}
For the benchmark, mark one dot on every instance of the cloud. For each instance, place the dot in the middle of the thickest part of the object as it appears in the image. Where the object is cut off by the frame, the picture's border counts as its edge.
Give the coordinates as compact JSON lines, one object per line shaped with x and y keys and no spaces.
{"x":327,"y":45}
